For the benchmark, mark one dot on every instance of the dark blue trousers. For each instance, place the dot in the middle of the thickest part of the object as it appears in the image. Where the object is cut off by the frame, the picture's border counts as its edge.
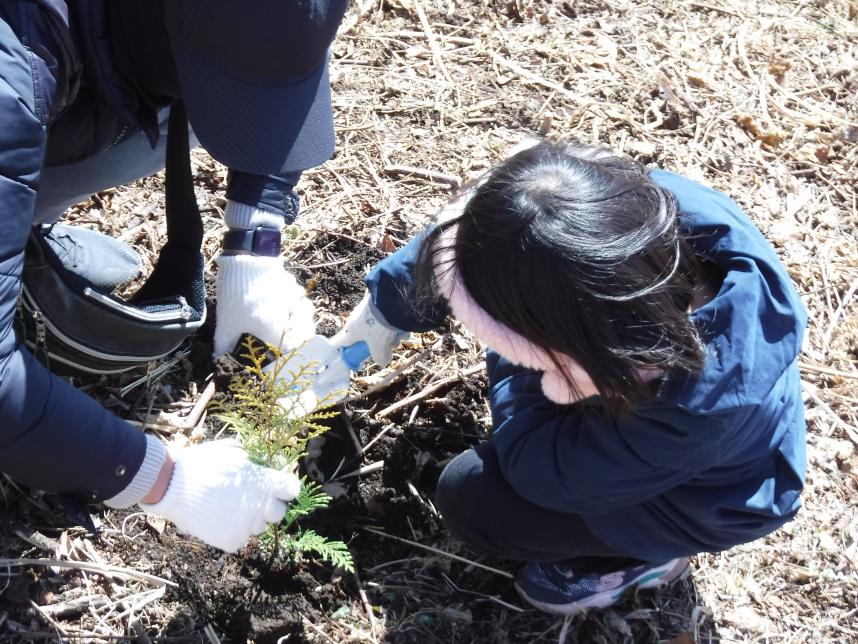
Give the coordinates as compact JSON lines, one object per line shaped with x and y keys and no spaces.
{"x":481,"y":508}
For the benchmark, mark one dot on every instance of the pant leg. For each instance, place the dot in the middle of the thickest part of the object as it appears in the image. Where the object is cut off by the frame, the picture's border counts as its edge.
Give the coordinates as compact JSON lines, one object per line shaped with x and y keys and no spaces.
{"x":481,"y":508}
{"x":63,"y":186}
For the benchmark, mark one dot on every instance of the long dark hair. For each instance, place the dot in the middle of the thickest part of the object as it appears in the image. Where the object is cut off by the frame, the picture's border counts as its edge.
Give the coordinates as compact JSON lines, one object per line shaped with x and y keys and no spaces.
{"x":580,"y":252}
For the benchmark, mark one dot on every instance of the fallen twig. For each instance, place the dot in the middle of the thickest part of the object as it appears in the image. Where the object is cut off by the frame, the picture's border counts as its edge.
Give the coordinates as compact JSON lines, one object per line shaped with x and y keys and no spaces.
{"x":824,"y":406}
{"x":366,"y":469}
{"x":396,"y":374}
{"x":437,"y":54}
{"x":156,"y":373}
{"x":348,"y":421}
{"x":318,"y":630}
{"x":209,"y":632}
{"x":835,"y":319}
{"x":49,"y":619}
{"x":424,"y":173}
{"x":36,"y":538}
{"x":146,"y":597}
{"x":75,"y":606}
{"x":87,"y":565}
{"x":491,"y":598}
{"x":429,"y":390}
{"x":171,"y":423}
{"x":373,"y":625}
{"x":437,"y":551}
{"x":828,"y":371}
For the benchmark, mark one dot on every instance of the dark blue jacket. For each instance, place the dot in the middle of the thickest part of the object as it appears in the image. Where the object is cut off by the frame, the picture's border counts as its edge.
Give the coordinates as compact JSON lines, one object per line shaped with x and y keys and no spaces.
{"x":714,"y":460}
{"x":61,"y":99}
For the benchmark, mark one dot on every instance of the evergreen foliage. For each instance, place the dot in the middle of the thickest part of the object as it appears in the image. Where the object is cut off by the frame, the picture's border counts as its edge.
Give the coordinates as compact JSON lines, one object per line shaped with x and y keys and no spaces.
{"x":268,"y":409}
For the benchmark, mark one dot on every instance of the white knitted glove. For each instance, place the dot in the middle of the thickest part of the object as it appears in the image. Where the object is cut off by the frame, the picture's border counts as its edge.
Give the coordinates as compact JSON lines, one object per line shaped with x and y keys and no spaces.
{"x":331,"y":383}
{"x":216,"y":494}
{"x":366,"y":334}
{"x":257,"y":295}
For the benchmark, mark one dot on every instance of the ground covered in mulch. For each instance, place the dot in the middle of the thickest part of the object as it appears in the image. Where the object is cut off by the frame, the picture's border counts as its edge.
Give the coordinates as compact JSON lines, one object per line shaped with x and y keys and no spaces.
{"x":755,"y":98}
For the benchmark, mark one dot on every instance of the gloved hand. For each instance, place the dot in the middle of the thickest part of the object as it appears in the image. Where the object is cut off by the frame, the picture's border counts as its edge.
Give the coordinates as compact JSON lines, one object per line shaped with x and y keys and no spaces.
{"x":257,"y":295}
{"x":331,"y":383}
{"x":366,"y":334}
{"x":217,"y":495}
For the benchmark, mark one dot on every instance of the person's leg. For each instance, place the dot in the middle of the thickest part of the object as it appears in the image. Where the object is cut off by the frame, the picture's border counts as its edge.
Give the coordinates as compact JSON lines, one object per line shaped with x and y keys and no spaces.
{"x":569,"y":568}
{"x":101,"y":260}
{"x":481,"y":508}
{"x":63,"y":186}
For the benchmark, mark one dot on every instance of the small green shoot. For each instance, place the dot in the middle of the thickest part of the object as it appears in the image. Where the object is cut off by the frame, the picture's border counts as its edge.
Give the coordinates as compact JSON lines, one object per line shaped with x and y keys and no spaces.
{"x":272,"y":410}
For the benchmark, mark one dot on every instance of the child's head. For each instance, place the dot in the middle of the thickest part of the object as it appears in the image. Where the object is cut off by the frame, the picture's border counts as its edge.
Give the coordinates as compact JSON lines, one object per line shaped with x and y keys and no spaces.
{"x":579,"y":252}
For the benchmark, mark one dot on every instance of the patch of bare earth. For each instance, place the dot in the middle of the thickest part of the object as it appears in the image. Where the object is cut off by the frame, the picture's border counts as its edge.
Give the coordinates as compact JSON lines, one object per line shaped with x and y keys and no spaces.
{"x":755,"y":98}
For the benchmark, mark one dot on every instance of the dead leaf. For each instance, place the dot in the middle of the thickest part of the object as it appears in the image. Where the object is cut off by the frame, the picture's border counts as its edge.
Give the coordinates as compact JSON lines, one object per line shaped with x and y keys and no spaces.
{"x":697,"y":80}
{"x":779,"y":66}
{"x":749,"y":123}
{"x":683,"y":638}
{"x":387,"y":244}
{"x":771,"y":139}
{"x":157,"y":524}
{"x":800,"y":574}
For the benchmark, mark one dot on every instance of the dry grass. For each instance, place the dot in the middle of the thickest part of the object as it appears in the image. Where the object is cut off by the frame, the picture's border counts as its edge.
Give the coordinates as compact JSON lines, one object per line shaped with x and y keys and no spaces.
{"x":756,"y":98}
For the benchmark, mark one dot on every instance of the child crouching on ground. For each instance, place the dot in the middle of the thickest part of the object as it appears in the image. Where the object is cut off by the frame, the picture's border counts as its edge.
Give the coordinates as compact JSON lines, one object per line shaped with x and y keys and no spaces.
{"x":642,"y":341}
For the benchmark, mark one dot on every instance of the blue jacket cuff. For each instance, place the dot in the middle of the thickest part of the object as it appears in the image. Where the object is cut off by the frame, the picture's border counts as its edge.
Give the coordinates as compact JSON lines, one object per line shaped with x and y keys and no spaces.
{"x":265,"y":192}
{"x":145,"y":478}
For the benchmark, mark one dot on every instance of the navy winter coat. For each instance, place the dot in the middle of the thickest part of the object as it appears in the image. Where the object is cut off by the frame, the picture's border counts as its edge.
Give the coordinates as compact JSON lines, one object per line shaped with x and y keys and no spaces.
{"x":61,"y":99}
{"x":714,"y":460}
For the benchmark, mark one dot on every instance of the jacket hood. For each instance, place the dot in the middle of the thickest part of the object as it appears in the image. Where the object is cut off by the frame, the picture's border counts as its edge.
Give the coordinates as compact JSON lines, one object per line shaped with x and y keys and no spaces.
{"x":753,"y":328}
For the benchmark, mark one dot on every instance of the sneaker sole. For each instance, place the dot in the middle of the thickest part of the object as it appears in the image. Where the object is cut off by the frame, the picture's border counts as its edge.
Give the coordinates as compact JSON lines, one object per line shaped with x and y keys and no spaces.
{"x":648,"y":580}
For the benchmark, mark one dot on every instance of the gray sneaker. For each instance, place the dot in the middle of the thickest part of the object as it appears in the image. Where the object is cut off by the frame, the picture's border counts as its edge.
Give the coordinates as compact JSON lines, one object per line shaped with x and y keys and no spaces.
{"x":104,"y":261}
{"x":555,"y":588}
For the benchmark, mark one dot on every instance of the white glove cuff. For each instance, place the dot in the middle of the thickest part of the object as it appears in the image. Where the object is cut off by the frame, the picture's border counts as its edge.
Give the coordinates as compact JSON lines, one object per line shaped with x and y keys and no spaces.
{"x":241,"y":215}
{"x":180,"y":499}
{"x":145,"y":478}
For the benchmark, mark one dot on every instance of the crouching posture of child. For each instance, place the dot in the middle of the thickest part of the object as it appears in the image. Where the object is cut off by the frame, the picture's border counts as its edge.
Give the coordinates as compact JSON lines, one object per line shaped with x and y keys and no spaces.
{"x":642,"y":341}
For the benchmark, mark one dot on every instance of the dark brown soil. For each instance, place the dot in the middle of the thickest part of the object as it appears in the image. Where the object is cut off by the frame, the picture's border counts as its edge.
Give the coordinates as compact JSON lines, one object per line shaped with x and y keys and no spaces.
{"x":337,"y":288}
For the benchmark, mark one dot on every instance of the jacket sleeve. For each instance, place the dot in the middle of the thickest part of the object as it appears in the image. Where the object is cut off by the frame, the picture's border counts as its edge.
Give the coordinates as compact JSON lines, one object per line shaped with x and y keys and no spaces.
{"x":274,"y":193}
{"x":391,"y":286}
{"x":51,"y":436}
{"x":574,"y":459}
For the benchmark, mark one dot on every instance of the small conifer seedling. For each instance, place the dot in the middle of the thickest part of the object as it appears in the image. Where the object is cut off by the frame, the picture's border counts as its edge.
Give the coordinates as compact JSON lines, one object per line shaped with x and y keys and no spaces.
{"x":267,"y":408}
